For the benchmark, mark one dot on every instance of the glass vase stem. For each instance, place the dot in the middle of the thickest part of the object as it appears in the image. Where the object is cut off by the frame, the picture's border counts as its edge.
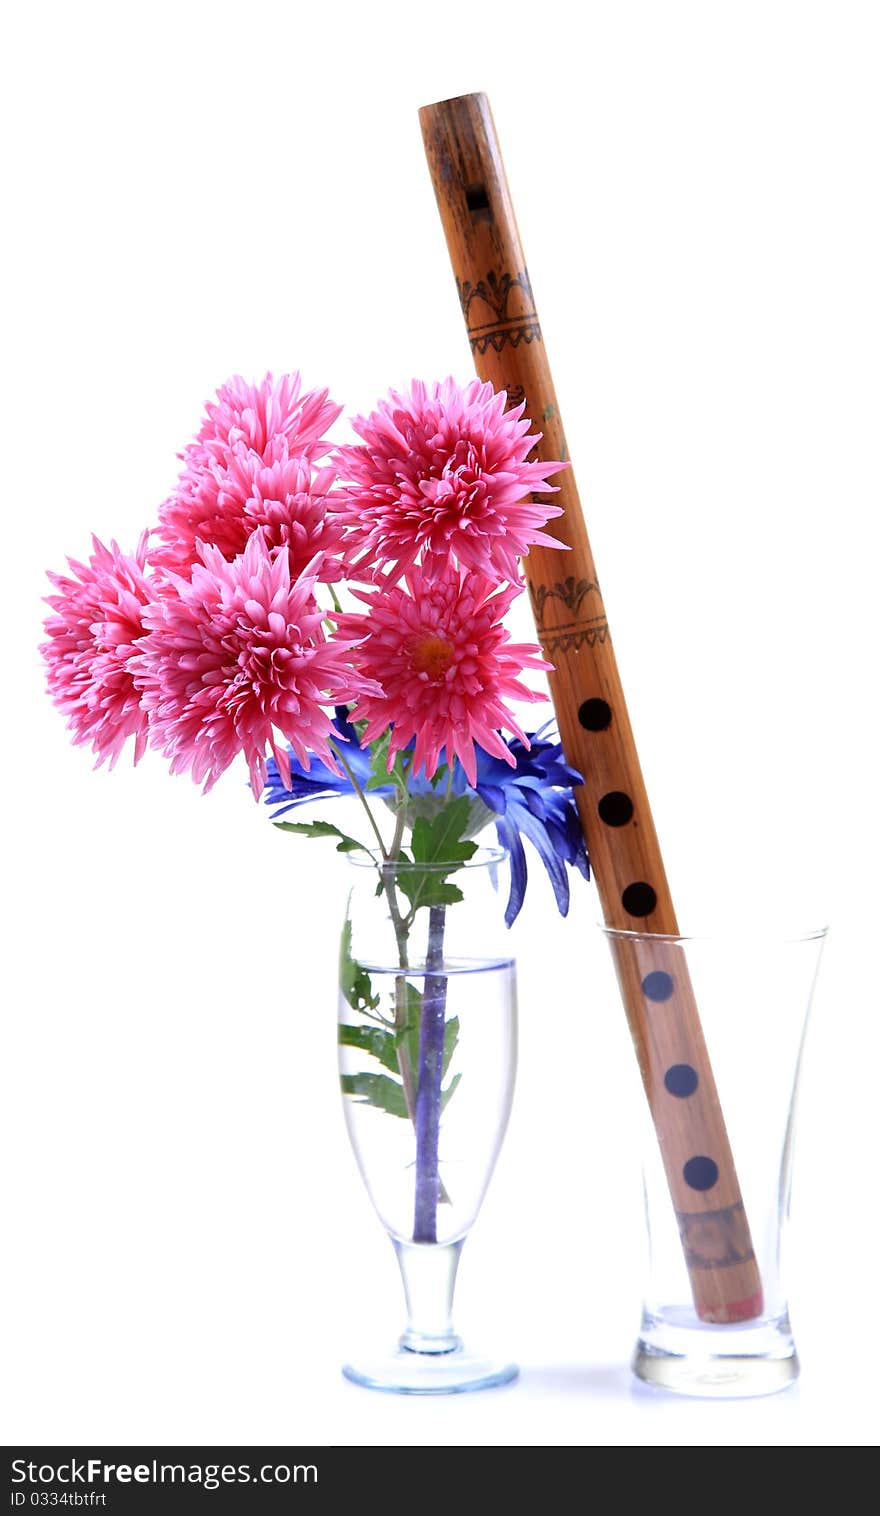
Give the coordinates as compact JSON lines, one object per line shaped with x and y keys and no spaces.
{"x":428,"y":1096}
{"x":428,"y":1275}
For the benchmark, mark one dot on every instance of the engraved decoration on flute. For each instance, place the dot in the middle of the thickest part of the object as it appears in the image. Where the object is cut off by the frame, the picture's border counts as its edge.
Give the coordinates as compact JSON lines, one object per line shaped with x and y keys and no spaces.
{"x":713,"y":1239}
{"x":495,"y":293}
{"x":568,"y":636}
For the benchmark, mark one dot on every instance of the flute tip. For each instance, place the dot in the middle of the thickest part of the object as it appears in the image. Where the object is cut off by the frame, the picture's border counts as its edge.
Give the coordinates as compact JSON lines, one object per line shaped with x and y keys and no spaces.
{"x":734,"y":1310}
{"x":477,"y":100}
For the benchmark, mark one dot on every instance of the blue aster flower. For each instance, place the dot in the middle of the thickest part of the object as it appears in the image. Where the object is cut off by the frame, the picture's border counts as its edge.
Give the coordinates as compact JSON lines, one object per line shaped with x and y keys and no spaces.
{"x":533,"y":799}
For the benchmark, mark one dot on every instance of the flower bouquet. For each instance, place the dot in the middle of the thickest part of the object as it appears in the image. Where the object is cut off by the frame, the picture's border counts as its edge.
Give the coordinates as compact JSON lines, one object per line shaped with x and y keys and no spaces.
{"x":335,"y":614}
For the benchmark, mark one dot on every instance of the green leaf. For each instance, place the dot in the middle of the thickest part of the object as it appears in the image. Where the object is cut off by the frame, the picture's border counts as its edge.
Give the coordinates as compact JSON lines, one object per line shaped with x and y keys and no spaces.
{"x":409,"y":1032}
{"x":422,"y":888}
{"x":323,"y":829}
{"x":378,"y":1090}
{"x":383,"y":776}
{"x":354,"y":981}
{"x":440,"y":840}
{"x":447,"y":1094}
{"x":374,"y":1040}
{"x":450,"y":1042}
{"x":379,"y":775}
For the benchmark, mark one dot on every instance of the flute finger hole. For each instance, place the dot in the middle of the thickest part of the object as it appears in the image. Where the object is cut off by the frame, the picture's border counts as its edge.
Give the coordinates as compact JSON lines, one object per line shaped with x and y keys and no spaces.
{"x":639,"y":899}
{"x":681,"y":1080}
{"x":658,"y":985}
{"x":615,"y":808}
{"x":595,"y":715}
{"x":700,"y":1173}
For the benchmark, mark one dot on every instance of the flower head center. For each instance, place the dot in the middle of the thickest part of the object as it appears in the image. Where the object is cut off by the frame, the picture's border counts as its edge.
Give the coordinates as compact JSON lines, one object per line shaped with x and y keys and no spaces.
{"x":431,"y":655}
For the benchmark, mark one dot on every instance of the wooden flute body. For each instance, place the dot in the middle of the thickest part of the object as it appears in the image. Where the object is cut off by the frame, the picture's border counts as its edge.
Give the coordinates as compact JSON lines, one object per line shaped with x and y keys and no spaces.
{"x":505,"y":335}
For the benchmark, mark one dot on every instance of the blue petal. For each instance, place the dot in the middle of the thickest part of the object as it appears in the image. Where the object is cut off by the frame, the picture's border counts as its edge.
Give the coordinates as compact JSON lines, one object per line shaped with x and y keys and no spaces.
{"x":493,"y":796}
{"x":318,"y":782}
{"x":551,"y":861}
{"x":509,"y":838}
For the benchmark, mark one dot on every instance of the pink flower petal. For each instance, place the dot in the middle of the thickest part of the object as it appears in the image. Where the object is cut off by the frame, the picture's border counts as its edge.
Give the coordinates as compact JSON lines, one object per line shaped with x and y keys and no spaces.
{"x":443,"y":665}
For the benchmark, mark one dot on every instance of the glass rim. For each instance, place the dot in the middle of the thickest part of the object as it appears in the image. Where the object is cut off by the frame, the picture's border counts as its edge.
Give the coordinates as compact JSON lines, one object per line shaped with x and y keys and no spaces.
{"x":733,"y":933}
{"x":482,"y":858}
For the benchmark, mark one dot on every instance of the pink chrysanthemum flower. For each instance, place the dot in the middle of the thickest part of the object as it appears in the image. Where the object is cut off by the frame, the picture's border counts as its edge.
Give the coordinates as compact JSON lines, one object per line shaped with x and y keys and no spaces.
{"x":97,"y":618}
{"x":234,"y":655}
{"x":443,"y":472}
{"x":223,"y":504}
{"x":445,"y":666}
{"x":256,"y":413}
{"x":267,"y":424}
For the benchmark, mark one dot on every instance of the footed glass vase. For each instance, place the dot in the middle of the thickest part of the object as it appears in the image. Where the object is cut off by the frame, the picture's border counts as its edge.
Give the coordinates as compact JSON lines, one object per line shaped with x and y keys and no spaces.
{"x":427,"y":1057}
{"x":715,"y":1318}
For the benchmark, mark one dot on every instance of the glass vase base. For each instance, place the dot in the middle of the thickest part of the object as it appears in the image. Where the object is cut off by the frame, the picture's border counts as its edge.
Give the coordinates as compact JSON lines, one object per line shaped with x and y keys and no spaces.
{"x":405,"y":1372}
{"x":721,"y":1362}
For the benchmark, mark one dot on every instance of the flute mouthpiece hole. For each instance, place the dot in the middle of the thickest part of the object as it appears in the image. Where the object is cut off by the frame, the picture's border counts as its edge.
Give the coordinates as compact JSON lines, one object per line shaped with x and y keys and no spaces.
{"x":477,"y":200}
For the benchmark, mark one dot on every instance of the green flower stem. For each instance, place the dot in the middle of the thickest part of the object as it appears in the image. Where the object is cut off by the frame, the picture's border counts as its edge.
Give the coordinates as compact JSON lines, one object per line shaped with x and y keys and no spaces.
{"x":352,"y":777}
{"x":404,"y":1062}
{"x":399,"y":826}
{"x":401,"y":995}
{"x":401,"y":932}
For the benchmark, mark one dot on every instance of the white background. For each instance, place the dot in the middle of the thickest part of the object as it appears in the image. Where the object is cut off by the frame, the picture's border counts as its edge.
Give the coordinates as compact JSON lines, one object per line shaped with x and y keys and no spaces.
{"x":193,"y":190}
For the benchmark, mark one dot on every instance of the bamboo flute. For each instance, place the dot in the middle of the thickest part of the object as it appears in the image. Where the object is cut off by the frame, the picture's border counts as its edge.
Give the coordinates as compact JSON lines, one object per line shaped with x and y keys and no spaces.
{"x":505,"y":335}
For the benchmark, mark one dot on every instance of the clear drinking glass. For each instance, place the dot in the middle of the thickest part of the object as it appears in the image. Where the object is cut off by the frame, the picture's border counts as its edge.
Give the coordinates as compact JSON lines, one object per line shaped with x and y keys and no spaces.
{"x":753,"y":996}
{"x":427,"y":1002}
